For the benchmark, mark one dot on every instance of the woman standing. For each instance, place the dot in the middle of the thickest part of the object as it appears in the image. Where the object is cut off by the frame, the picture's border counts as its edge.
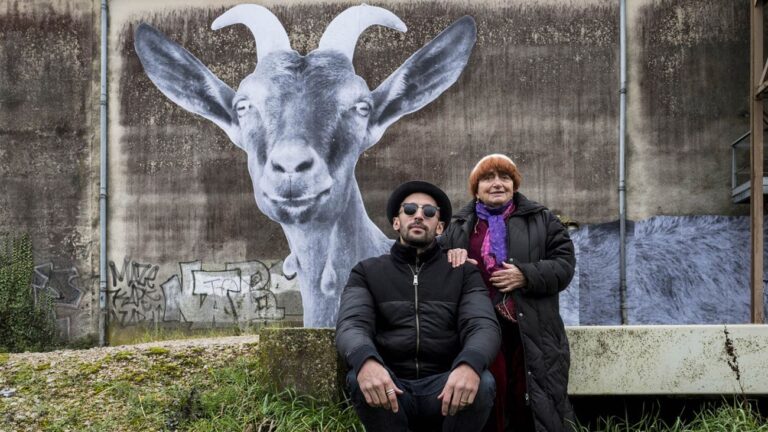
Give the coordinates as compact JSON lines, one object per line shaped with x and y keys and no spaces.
{"x":526,"y":259}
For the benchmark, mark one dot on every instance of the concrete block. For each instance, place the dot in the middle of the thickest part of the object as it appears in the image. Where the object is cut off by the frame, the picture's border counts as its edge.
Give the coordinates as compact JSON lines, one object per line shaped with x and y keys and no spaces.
{"x":669,"y":360}
{"x":303,"y":359}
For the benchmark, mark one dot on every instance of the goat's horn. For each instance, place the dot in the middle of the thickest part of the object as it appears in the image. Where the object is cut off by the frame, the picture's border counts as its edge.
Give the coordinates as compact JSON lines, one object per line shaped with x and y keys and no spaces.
{"x":266,"y":28}
{"x":343,"y":31}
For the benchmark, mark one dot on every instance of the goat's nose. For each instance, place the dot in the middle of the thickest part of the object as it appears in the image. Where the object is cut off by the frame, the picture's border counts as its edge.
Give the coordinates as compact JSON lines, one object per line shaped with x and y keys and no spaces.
{"x":292,"y":162}
{"x":290,"y":166}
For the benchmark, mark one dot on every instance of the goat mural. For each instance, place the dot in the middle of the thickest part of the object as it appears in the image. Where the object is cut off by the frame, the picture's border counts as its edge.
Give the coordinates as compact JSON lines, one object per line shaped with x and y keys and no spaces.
{"x":304,"y":121}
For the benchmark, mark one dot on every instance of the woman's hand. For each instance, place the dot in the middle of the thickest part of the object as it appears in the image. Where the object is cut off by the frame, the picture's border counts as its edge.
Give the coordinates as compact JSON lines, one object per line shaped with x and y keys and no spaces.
{"x":458,"y":257}
{"x":509,"y":278}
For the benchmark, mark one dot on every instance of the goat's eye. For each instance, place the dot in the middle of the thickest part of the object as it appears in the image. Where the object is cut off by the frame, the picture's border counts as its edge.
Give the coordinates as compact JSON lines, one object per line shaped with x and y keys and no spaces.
{"x":242,"y":107}
{"x":363,"y":109}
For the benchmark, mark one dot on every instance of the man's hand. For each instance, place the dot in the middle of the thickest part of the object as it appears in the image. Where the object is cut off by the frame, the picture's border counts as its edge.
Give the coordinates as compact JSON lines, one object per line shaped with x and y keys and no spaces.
{"x":458,"y":256}
{"x":377,"y":386}
{"x":460,"y":389}
{"x":509,"y":278}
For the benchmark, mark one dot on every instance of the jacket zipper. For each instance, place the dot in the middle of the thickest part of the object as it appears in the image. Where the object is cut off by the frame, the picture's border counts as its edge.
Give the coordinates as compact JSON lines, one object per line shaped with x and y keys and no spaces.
{"x":416,"y":307}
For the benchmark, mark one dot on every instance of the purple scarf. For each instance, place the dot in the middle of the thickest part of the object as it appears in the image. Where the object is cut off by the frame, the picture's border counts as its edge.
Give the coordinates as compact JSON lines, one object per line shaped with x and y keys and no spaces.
{"x":494,"y":249}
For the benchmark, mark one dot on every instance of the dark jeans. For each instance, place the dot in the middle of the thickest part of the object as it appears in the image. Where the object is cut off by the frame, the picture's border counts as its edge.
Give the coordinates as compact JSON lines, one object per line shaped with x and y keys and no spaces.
{"x":420,"y":408}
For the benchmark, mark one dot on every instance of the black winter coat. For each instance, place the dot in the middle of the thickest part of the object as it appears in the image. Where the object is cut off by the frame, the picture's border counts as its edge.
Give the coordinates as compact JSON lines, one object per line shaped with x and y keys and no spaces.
{"x":539,"y":245}
{"x":416,"y":330}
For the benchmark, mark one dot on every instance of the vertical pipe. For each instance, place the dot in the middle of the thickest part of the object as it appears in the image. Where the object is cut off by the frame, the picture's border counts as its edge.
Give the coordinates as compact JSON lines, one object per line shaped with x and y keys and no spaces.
{"x":622,"y":162}
{"x":733,"y":166}
{"x":756,"y":160}
{"x":103,"y":181}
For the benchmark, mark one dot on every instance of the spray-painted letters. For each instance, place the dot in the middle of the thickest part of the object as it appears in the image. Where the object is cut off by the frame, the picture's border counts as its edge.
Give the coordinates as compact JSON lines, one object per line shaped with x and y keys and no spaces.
{"x":240,"y":293}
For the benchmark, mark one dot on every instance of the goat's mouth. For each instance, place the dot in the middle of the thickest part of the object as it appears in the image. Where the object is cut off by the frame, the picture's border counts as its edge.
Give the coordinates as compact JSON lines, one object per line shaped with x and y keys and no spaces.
{"x":300,"y":201}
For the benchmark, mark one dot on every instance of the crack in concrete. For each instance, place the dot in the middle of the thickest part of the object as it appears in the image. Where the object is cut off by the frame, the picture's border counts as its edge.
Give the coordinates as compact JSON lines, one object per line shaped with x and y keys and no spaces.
{"x":733,"y":360}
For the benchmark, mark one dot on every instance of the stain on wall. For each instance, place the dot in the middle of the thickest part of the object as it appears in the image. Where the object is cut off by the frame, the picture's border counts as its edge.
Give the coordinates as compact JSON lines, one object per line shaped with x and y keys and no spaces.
{"x":689,"y":72}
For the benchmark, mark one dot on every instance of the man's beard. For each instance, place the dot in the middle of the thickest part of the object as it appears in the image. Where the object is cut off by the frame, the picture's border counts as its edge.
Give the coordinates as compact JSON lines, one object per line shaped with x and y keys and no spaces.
{"x":419,"y":242}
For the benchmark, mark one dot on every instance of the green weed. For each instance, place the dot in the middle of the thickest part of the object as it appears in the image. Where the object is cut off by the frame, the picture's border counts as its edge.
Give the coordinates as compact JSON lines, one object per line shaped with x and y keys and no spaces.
{"x":31,"y":322}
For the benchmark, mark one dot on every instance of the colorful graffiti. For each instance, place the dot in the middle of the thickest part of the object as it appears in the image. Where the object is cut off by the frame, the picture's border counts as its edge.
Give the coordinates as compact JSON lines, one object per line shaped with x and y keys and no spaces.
{"x":240,"y":293}
{"x":304,"y":121}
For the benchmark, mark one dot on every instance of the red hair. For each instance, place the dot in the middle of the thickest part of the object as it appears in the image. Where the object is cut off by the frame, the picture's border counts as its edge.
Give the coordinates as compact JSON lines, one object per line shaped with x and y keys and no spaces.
{"x":493,"y":162}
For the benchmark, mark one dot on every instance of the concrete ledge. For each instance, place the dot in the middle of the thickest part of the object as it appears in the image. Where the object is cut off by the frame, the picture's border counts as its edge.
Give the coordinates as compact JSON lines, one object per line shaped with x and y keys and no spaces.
{"x":605,"y":360}
{"x":669,"y":360}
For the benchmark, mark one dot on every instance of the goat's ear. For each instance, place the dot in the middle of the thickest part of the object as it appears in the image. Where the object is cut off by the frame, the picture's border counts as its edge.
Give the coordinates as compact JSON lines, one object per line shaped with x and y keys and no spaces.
{"x":423,"y":77}
{"x":185,"y":80}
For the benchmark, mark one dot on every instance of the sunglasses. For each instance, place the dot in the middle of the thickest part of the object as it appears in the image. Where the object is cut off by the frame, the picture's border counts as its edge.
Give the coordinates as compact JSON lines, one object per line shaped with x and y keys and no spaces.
{"x":428,"y":210}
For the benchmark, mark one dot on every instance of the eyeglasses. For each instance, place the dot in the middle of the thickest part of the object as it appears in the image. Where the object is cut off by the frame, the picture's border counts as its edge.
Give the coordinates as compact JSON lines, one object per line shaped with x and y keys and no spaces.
{"x":428,"y":210}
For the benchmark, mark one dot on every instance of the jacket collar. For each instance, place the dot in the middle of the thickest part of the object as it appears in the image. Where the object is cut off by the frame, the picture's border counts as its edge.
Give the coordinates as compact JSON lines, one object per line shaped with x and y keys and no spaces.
{"x":408,"y":253}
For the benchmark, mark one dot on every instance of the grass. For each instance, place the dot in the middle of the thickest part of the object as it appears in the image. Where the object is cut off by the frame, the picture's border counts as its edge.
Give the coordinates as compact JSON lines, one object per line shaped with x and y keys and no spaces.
{"x":238,"y":402}
{"x":737,"y":416}
{"x":154,"y":334}
{"x":158,"y":389}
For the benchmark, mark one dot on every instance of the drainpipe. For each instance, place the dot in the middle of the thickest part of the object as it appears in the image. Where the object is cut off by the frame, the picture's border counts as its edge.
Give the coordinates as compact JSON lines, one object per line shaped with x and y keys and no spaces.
{"x":622,"y":162}
{"x":103,"y":182}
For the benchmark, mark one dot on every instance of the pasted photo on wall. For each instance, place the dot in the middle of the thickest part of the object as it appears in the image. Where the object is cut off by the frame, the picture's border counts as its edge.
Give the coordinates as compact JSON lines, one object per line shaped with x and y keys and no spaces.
{"x":304,"y":121}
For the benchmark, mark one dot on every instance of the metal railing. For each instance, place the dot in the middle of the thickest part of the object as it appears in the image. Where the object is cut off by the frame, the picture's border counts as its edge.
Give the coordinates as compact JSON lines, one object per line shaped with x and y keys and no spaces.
{"x":740,"y":188}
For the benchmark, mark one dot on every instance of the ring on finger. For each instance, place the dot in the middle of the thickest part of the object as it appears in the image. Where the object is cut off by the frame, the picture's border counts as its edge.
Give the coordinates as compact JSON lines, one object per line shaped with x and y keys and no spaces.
{"x":389,"y":391}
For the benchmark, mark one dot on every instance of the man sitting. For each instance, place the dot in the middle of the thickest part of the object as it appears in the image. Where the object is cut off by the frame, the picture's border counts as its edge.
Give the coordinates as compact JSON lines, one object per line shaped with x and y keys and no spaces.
{"x":418,"y":334}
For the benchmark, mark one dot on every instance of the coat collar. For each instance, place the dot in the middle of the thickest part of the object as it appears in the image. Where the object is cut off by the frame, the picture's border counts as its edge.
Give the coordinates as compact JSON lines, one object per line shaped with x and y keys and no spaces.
{"x":408,"y":253}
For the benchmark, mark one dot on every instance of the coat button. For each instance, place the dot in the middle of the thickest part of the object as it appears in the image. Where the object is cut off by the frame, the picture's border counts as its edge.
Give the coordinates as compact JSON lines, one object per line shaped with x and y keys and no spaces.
{"x":520,"y":314}
{"x":529,"y":373}
{"x":526,"y":397}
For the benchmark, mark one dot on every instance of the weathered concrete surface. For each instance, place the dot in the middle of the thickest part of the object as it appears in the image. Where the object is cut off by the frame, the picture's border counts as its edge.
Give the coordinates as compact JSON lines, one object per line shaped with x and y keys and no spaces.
{"x":49,"y":147}
{"x":670,"y":360}
{"x":302,"y":359}
{"x":687,"y":102}
{"x":541,"y":85}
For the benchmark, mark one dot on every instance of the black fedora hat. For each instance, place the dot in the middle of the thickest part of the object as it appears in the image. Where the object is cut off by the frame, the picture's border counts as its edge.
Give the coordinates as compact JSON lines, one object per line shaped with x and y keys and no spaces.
{"x":407,"y":188}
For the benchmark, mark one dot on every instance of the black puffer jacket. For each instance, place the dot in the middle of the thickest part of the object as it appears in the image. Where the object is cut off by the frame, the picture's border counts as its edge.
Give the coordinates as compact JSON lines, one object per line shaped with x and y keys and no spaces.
{"x":421,"y":330}
{"x":539,"y":245}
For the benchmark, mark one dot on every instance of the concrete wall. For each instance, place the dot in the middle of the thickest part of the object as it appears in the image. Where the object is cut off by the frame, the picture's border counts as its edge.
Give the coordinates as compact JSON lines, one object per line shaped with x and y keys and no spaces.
{"x":188,"y":243}
{"x":49,"y":147}
{"x":689,"y":72}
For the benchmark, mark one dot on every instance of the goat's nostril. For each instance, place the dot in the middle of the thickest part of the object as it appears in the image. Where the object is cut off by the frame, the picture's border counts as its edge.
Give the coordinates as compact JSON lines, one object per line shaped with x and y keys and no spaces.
{"x":277,"y":167}
{"x":304,"y":166}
